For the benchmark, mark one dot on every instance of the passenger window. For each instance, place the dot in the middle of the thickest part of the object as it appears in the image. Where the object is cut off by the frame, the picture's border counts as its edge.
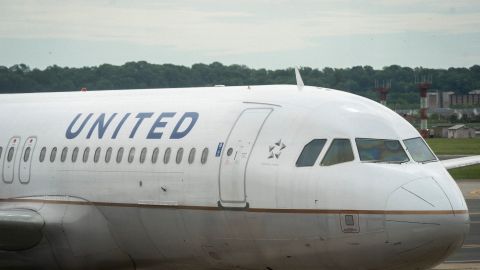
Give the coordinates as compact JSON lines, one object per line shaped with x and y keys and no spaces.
{"x":204,"y":157}
{"x":143,"y":155}
{"x":74,"y":154}
{"x":26,"y":155}
{"x":120,"y":155}
{"x":166,"y":157}
{"x":43,"y":152}
{"x":10,"y":154}
{"x":340,"y":151}
{"x":63,"y":156}
{"x":131,"y":155}
{"x":310,"y":153}
{"x":53,"y":154}
{"x":179,"y":157}
{"x":108,"y":155}
{"x":96,"y":156}
{"x":85,"y":154}
{"x":191,"y":156}
{"x":381,"y":150}
{"x":155,"y":155}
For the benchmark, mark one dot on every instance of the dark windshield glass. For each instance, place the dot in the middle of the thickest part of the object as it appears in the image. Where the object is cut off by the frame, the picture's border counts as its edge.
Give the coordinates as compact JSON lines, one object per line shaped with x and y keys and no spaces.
{"x":340,"y":151}
{"x":419,"y":150}
{"x":380,"y":150}
{"x":310,"y":153}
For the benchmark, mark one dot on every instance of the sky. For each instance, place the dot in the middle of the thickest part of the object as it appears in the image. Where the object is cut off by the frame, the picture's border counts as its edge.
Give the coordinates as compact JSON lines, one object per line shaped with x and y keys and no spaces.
{"x":272,"y":34}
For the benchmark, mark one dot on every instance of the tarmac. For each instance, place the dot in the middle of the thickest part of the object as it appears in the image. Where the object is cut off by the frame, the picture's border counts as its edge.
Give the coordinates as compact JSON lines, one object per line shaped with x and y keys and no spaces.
{"x":468,"y":257}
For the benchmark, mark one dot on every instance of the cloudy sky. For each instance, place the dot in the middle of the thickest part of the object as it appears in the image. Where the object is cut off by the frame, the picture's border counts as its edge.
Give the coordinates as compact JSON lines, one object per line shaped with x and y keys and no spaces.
{"x":257,"y":33}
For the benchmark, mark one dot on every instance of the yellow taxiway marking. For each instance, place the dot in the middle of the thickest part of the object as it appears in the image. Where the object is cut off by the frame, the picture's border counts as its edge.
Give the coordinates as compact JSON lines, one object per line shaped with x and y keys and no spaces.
{"x":475,"y":192}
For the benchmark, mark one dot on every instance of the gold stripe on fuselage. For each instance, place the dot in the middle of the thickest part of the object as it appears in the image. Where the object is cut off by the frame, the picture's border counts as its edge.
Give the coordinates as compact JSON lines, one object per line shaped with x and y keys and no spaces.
{"x":257,"y":210}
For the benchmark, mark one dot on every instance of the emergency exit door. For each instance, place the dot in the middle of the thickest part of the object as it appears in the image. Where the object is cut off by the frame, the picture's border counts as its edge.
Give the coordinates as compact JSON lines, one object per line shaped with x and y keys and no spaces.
{"x":9,"y":159}
{"x":236,"y":153}
{"x":26,"y":160}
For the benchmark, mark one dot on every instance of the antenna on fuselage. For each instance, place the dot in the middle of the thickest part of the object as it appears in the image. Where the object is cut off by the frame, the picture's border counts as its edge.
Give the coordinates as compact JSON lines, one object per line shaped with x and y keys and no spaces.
{"x":299,"y":79}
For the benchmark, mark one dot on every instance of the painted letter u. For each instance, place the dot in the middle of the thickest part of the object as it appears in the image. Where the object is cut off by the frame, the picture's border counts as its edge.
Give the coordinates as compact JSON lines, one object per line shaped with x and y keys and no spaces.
{"x":72,"y":134}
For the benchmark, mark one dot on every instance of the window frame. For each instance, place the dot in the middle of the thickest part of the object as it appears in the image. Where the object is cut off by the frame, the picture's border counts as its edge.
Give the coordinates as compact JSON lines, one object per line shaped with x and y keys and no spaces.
{"x":26,"y":154}
{"x":119,"y":156}
{"x":179,"y":155}
{"x":191,"y":155}
{"x":97,"y":154}
{"x":75,"y":152}
{"x":53,"y":154}
{"x":155,"y":153}
{"x":166,"y":155}
{"x":64,"y":154}
{"x":108,"y":155}
{"x":143,"y":155}
{"x":86,"y":154}
{"x":330,"y":148}
{"x":435,"y":158}
{"x":43,"y":154}
{"x":311,"y":164}
{"x":204,"y":156}
{"x":11,"y":154}
{"x":131,"y":155}
{"x":381,"y":161}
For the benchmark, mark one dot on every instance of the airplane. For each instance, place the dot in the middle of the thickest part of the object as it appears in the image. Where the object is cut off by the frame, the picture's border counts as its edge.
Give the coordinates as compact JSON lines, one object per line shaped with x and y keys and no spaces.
{"x":247,"y":177}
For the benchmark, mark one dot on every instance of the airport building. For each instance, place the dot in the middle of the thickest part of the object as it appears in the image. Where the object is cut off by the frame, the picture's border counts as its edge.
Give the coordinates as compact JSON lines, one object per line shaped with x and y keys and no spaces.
{"x":453,"y":132}
{"x":447,"y":99}
{"x":461,"y":131}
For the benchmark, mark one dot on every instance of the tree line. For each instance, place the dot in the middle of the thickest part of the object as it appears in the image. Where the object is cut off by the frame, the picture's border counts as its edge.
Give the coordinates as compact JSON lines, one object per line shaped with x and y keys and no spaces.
{"x":137,"y":75}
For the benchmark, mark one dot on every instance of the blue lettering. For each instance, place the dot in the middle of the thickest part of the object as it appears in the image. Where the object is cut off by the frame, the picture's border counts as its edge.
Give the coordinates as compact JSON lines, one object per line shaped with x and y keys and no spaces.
{"x":120,"y":124}
{"x":159,"y":124}
{"x":193,"y":116}
{"x":102,"y":126}
{"x":71,"y":134}
{"x":140,"y":117}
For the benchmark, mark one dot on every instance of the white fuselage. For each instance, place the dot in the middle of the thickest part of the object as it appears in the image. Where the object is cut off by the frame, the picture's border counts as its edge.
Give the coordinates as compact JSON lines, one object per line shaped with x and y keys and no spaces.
{"x":241,"y":203}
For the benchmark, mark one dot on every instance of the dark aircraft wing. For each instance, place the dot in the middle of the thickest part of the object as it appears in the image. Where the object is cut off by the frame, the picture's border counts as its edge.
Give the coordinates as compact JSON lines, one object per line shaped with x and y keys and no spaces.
{"x":20,"y":229}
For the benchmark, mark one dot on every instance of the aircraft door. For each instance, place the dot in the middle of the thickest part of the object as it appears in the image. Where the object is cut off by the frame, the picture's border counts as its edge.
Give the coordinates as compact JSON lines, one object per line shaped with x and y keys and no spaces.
{"x":234,"y":160}
{"x":26,"y":160}
{"x":9,"y":159}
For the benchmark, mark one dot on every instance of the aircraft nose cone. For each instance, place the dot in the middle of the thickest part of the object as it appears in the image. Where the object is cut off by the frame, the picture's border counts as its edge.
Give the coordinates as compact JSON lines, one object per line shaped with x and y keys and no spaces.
{"x":422,"y":227}
{"x":423,"y":194}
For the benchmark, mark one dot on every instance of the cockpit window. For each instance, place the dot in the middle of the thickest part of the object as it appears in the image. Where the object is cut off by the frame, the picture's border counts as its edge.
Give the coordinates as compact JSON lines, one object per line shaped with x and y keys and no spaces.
{"x":310,"y":153}
{"x":340,"y":151}
{"x":419,"y":150}
{"x":380,"y":150}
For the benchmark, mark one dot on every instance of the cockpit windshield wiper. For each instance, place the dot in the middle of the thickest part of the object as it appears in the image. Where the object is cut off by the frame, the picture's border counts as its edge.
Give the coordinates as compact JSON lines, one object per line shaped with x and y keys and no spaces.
{"x":429,"y":161}
{"x":398,"y":162}
{"x":387,"y":161}
{"x":373,"y":161}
